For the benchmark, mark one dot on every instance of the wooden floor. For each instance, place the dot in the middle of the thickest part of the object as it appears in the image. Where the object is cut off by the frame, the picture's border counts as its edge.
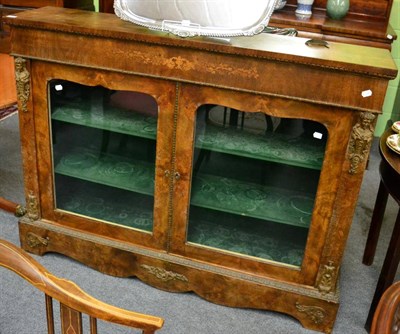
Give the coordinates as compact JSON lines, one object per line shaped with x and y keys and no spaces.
{"x":8,"y":93}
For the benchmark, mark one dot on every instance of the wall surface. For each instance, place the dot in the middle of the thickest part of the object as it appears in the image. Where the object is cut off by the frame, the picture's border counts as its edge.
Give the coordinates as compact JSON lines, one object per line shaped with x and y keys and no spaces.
{"x":391,"y":108}
{"x":8,"y":93}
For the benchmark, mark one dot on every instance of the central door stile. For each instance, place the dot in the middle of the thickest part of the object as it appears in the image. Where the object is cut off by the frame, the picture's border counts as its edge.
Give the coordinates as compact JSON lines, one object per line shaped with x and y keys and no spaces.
{"x":171,"y":174}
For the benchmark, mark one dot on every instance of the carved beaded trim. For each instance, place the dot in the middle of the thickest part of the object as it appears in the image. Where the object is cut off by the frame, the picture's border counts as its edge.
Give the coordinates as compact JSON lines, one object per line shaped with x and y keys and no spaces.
{"x":173,"y":167}
{"x":22,"y":78}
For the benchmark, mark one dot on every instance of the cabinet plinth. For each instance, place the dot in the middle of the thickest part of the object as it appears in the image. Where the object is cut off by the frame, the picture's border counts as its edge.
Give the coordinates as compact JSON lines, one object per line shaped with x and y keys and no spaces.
{"x":196,"y":164}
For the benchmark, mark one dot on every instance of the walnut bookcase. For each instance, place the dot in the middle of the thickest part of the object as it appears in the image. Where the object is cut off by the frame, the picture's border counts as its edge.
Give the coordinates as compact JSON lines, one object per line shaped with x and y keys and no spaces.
{"x":230,"y":168}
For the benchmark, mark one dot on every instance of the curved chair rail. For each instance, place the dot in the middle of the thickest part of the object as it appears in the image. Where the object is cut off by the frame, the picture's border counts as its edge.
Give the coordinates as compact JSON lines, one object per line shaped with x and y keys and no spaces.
{"x":69,"y":294}
{"x":387,"y":315}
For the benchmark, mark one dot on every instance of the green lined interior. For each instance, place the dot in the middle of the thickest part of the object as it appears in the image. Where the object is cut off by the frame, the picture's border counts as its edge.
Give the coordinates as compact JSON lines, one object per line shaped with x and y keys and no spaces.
{"x":243,"y":182}
{"x":208,"y":191}
{"x":275,"y":147}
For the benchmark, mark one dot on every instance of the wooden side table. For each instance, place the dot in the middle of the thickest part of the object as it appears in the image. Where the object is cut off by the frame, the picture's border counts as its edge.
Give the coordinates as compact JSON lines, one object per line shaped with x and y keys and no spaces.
{"x":388,"y":312}
{"x":390,"y":184}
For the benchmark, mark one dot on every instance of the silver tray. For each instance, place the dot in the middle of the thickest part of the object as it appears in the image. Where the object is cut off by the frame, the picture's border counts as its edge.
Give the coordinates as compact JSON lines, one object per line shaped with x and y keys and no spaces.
{"x":188,"y":18}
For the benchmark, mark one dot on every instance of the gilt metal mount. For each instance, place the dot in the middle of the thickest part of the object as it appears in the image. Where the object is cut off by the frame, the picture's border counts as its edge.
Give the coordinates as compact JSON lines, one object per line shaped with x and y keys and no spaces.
{"x":22,"y":78}
{"x":164,"y":275}
{"x":361,"y":138}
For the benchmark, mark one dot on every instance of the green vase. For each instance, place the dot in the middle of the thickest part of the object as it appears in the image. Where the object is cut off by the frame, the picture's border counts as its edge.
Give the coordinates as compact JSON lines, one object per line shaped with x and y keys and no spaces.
{"x":337,"y":9}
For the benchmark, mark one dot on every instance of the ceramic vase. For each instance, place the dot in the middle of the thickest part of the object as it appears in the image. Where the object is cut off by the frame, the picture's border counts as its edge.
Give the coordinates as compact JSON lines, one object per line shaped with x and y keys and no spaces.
{"x":304,"y":9}
{"x":337,"y":9}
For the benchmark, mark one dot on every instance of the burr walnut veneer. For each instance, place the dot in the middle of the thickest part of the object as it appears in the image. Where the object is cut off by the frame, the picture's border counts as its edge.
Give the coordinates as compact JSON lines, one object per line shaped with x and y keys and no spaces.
{"x":227,"y":167}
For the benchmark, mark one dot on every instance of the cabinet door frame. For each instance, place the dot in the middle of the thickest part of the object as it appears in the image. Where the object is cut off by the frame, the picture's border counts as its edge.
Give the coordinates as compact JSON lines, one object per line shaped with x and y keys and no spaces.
{"x":164,"y":94}
{"x":338,"y":123}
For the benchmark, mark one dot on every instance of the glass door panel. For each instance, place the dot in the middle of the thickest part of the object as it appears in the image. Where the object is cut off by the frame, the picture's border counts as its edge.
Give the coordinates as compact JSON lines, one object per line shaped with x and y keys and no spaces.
{"x":254,"y":182}
{"x":104,"y":147}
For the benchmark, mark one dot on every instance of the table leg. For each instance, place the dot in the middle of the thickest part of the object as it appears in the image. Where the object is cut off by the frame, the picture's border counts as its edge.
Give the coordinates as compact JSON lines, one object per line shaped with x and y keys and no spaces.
{"x":376,"y":224}
{"x":388,"y":271}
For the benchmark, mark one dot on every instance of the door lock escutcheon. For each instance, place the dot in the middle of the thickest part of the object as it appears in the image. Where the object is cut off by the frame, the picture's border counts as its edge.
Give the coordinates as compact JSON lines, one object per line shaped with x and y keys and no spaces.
{"x":177,"y":175}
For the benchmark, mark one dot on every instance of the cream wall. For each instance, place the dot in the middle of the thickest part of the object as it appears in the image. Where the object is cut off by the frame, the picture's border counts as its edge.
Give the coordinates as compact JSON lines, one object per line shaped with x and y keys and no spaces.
{"x":391,"y":107}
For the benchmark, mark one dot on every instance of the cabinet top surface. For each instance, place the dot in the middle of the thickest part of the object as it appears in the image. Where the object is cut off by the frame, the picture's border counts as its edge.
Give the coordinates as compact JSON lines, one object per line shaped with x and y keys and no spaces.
{"x":347,"y":57}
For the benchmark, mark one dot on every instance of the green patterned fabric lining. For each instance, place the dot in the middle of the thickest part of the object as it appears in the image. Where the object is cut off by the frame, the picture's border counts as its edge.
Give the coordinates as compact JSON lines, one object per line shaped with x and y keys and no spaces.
{"x":252,"y":237}
{"x":107,"y":118}
{"x":111,"y":170}
{"x":234,"y":212}
{"x":223,"y":231}
{"x":252,"y":200}
{"x":101,"y":202}
{"x":208,"y":191}
{"x":280,"y":148}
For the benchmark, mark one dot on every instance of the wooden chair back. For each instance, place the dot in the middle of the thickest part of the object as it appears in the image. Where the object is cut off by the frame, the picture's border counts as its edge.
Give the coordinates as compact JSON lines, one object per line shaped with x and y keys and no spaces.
{"x":387,"y":314}
{"x":73,"y":300}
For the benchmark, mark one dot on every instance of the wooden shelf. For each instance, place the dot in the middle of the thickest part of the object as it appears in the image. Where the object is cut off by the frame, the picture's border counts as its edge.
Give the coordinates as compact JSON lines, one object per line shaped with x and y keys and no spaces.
{"x":215,"y":229}
{"x":365,"y":24}
{"x":208,"y":191}
{"x":252,"y":200}
{"x":108,"y":118}
{"x":244,"y":236}
{"x":110,"y":170}
{"x":362,"y":28}
{"x":99,"y":202}
{"x":276,"y":147}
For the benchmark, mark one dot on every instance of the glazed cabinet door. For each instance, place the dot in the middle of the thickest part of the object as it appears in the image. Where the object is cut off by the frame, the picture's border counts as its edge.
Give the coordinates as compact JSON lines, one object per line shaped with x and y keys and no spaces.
{"x":103,"y":157}
{"x":257,"y":181}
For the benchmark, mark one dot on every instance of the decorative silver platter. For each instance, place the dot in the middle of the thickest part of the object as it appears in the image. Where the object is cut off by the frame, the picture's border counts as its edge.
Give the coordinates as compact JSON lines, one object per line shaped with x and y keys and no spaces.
{"x":188,"y":18}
